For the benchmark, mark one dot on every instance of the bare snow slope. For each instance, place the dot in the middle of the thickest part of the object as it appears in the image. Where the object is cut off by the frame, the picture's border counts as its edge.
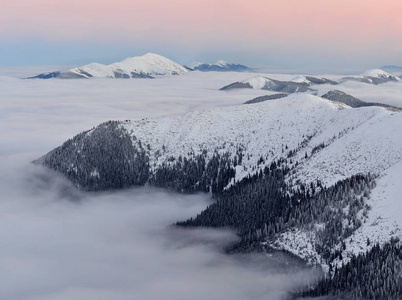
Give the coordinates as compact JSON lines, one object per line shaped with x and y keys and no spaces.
{"x":149,"y":64}
{"x":258,"y":82}
{"x":374,"y":76}
{"x":94,"y":70}
{"x":356,"y":140}
{"x":378,"y":73}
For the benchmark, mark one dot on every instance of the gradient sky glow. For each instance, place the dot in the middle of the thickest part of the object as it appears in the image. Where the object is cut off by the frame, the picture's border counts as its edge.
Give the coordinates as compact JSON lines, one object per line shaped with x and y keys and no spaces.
{"x":331,"y":33}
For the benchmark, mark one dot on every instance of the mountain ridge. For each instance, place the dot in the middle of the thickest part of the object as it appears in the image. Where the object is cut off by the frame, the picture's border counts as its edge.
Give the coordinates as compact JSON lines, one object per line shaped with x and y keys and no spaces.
{"x":305,"y":83}
{"x":373,"y":76}
{"x":201,"y":133}
{"x":220,"y":66}
{"x":145,"y":66}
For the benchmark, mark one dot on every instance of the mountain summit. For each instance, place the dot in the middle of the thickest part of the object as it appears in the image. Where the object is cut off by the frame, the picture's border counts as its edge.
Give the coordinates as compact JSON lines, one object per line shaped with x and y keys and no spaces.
{"x":374,"y":76}
{"x":144,"y":66}
{"x":378,"y":73}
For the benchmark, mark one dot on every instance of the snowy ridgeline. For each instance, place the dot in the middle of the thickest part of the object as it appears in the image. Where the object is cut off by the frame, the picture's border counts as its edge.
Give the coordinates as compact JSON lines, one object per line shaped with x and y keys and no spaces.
{"x":284,"y":172}
{"x":301,"y":83}
{"x":219,"y":66}
{"x":350,"y":141}
{"x":144,"y":66}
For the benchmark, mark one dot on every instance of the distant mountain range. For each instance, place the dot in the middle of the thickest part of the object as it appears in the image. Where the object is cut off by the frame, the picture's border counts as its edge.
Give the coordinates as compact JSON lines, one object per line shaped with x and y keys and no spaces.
{"x":334,"y":95}
{"x":150,"y":65}
{"x":145,"y":66}
{"x":374,"y":76}
{"x":220,"y":66}
{"x":300,"y":83}
{"x":392,"y":69}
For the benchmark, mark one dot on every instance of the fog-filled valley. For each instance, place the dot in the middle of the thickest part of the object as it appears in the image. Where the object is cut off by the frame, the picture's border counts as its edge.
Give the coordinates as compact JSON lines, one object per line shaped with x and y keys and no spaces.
{"x":59,"y":243}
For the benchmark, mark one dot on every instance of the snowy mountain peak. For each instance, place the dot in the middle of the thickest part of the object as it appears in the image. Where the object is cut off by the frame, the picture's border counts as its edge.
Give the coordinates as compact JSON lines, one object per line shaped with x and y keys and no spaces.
{"x":149,"y":64}
{"x":373,"y":76}
{"x":257,"y":82}
{"x":221,"y":63}
{"x":151,"y":58}
{"x":301,"y":79}
{"x":93,"y":70}
{"x":194,"y":64}
{"x":378,"y":73}
{"x":151,"y":55}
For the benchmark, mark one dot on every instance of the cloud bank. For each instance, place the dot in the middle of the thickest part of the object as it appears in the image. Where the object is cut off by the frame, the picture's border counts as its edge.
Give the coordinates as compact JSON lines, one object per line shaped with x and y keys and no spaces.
{"x":59,"y":243}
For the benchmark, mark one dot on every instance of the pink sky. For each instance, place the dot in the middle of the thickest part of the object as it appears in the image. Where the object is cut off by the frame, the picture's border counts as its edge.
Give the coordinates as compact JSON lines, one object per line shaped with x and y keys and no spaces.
{"x":349,"y":26}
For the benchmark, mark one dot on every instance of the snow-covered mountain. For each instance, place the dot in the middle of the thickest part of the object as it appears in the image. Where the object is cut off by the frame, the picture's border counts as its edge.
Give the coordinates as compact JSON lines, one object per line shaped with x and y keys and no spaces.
{"x":144,"y":66}
{"x":373,"y":76}
{"x":263,"y":129}
{"x":310,"y":80}
{"x":220,"y":66}
{"x":266,"y":98}
{"x":302,"y":83}
{"x":351,"y":101}
{"x":334,"y":95}
{"x":265,"y":83}
{"x":359,"y":140}
{"x":296,"y":85}
{"x":378,"y":73}
{"x":309,"y":175}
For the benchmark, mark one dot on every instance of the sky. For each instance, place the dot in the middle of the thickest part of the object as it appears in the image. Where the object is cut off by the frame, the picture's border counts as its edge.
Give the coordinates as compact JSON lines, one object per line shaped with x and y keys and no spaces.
{"x":287,"y":33}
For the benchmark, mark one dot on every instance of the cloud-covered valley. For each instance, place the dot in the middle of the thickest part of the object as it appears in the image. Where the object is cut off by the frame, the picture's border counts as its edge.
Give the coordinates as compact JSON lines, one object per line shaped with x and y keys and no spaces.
{"x":60,"y":243}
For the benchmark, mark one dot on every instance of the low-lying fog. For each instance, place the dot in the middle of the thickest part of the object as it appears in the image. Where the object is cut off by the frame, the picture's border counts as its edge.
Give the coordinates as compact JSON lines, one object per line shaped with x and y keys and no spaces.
{"x":58,"y":243}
